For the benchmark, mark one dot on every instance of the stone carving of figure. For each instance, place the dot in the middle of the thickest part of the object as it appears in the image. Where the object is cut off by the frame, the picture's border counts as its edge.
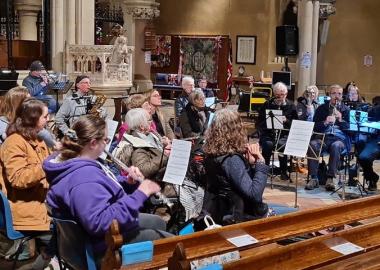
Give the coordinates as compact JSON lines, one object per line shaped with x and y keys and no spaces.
{"x":120,"y":49}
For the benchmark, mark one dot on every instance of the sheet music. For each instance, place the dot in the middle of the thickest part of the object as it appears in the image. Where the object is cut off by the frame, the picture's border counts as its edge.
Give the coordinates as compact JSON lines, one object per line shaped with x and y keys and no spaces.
{"x":277,"y":119}
{"x":374,"y":125}
{"x":111,"y":127}
{"x":299,"y":138}
{"x":210,"y":101}
{"x":178,"y":162}
{"x":210,"y":118}
{"x":233,"y":108}
{"x":358,"y":117}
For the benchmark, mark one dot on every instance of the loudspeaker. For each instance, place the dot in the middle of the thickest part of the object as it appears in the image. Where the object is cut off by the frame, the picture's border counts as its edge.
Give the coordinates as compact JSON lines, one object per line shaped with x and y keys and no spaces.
{"x":287,"y":40}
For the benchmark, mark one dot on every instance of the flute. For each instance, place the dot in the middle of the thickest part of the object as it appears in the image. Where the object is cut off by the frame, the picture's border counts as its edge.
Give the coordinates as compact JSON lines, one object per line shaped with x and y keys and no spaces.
{"x":125,"y":168}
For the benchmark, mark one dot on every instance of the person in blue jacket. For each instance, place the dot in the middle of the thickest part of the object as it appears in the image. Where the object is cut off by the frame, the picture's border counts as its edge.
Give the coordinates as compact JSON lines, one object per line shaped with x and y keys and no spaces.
{"x":37,"y":84}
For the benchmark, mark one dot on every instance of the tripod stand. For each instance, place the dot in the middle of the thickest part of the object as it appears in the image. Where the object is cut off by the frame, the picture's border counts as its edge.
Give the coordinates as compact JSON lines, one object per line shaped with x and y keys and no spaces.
{"x":274,"y":123}
{"x":357,"y":118}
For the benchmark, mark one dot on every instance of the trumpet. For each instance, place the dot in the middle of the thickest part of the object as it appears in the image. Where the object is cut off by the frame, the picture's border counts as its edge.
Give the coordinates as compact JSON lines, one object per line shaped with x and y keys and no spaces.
{"x":125,"y":168}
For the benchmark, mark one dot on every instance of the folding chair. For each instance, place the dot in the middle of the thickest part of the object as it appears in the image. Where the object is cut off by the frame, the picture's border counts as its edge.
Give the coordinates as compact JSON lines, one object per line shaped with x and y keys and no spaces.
{"x":6,"y":228}
{"x":74,"y":250}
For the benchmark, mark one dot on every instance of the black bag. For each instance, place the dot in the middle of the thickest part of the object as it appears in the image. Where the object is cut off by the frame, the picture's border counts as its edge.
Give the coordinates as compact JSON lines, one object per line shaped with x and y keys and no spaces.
{"x":322,"y":173}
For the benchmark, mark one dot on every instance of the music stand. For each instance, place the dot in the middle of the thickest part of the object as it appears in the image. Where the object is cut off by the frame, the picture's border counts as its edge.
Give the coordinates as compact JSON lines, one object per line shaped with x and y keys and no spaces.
{"x":58,"y":87}
{"x":313,"y":155}
{"x":273,"y":115}
{"x":357,"y":119}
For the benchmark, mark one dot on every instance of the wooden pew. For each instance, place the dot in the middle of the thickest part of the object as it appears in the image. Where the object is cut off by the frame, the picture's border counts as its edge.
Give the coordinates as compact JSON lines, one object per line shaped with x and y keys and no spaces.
{"x":213,"y":242}
{"x":314,"y":253}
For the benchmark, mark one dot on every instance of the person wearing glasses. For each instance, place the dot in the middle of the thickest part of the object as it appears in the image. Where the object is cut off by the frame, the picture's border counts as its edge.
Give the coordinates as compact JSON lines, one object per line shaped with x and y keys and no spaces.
{"x":84,"y":190}
{"x":332,"y":119}
{"x":268,"y":135}
{"x":76,"y":105}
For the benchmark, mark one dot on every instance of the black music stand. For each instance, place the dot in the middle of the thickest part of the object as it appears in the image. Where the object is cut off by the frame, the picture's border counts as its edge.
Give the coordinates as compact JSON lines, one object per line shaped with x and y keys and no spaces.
{"x":57,"y":88}
{"x":279,"y":124}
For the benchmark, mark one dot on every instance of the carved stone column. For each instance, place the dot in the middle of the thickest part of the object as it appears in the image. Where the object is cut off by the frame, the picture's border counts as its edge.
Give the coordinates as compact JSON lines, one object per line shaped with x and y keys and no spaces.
{"x":137,"y":13}
{"x":28,"y":12}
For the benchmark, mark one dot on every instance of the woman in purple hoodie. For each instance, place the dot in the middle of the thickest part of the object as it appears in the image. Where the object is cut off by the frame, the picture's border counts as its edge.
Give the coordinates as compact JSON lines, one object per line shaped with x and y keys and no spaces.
{"x":84,"y":190}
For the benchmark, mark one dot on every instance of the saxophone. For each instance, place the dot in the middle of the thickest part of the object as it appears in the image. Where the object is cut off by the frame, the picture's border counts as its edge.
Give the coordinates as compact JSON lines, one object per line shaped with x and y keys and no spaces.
{"x":95,"y":107}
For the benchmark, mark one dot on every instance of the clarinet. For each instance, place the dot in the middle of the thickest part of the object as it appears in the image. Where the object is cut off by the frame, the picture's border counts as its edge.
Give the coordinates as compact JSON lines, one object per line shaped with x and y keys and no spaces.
{"x":125,"y":168}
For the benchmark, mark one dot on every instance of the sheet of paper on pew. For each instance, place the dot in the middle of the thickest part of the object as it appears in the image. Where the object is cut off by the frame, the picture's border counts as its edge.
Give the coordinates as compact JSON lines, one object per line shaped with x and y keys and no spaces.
{"x":342,"y":246}
{"x":111,"y":126}
{"x":178,"y":161}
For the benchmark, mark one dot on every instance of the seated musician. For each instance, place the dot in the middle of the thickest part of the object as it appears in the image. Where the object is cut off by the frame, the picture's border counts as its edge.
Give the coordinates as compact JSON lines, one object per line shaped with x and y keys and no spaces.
{"x":151,"y":152}
{"x":308,"y":103}
{"x":160,"y":122}
{"x":267,"y":136}
{"x":194,"y":119}
{"x":236,"y":172}
{"x":181,"y":101}
{"x":12,"y":100}
{"x":22,"y":178}
{"x":77,"y":104}
{"x":352,"y":98}
{"x":37,"y":83}
{"x":133,"y":102}
{"x":96,"y":196}
{"x":371,"y":152}
{"x":202,"y":84}
{"x":331,"y":118}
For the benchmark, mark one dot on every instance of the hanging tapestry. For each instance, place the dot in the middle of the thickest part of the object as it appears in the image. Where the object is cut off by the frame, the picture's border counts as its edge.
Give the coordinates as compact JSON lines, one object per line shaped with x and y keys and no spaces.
{"x":199,"y":57}
{"x":161,"y":54}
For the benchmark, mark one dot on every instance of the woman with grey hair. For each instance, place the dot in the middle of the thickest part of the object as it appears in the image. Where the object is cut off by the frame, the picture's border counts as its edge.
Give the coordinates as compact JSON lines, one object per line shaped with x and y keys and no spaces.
{"x":149,"y":154}
{"x":194,"y":119}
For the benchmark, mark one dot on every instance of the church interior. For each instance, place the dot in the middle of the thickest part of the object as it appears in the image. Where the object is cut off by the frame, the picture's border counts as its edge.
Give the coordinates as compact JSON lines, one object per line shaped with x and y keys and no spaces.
{"x":228,"y":134}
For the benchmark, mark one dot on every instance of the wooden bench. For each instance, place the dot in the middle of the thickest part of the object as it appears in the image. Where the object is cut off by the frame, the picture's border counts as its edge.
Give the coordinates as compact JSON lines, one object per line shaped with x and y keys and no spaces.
{"x":315,"y":253}
{"x":213,"y":242}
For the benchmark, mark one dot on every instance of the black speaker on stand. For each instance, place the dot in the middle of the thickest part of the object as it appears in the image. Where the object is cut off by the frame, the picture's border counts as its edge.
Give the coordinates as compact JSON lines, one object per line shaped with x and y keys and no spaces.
{"x":286,"y":42}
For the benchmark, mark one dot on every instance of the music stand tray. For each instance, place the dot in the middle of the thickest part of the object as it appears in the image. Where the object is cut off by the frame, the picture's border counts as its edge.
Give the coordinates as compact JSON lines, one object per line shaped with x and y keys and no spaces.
{"x":58,"y":87}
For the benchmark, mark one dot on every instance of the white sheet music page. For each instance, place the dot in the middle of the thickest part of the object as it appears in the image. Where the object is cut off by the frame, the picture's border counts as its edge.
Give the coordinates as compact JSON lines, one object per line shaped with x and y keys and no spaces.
{"x":277,"y":119}
{"x":111,"y":126}
{"x":178,"y":161}
{"x":299,"y":138}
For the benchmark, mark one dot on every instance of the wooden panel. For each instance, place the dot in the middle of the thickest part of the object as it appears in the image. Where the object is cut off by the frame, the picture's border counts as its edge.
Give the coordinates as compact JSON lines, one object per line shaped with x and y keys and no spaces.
{"x":209,"y":243}
{"x":312,"y":253}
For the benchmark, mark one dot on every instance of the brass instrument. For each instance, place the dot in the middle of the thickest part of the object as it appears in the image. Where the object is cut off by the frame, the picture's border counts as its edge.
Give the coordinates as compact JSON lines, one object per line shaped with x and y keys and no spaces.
{"x":125,"y":168}
{"x":95,"y":107}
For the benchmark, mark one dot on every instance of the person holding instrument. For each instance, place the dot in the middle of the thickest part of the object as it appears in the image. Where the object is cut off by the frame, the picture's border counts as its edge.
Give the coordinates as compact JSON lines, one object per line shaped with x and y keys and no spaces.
{"x":76,"y":105}
{"x":37,"y":84}
{"x":307,"y":103}
{"x":331,"y":118}
{"x":267,"y":135}
{"x":96,"y":196}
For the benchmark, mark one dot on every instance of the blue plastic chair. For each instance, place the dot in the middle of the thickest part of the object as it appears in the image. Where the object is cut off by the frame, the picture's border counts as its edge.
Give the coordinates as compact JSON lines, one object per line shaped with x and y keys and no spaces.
{"x":74,"y":250}
{"x":6,"y":228}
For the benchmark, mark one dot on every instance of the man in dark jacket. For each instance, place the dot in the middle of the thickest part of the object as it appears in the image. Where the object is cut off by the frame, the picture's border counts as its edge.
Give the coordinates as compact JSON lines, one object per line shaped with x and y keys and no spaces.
{"x":267,"y":136}
{"x":332,"y":119}
{"x":37,"y":84}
